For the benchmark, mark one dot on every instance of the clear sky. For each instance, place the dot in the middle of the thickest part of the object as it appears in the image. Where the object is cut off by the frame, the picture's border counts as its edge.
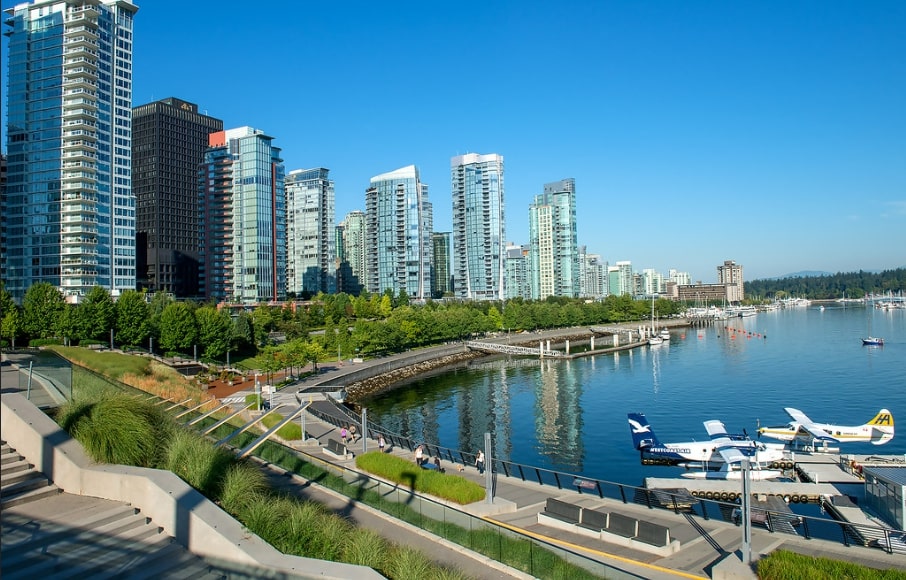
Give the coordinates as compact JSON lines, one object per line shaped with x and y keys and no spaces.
{"x":771,"y":133}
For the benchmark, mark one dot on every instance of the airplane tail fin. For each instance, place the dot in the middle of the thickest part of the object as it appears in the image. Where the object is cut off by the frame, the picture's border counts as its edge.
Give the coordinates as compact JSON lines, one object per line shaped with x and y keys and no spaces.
{"x":642,"y":433}
{"x":881,"y":427}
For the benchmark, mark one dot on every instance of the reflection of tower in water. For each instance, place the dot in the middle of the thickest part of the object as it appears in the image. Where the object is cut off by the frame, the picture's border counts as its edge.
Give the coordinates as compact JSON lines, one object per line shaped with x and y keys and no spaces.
{"x":656,"y":368}
{"x":485,"y":408}
{"x":558,"y":422}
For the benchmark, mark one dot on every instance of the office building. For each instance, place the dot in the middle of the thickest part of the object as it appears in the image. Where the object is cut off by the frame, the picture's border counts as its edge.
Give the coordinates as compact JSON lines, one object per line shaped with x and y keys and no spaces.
{"x":351,"y":253}
{"x":169,"y":140}
{"x":554,"y":254}
{"x":620,"y":278}
{"x":592,"y":275}
{"x":243,"y":232}
{"x":69,"y":210}
{"x":441,"y":279}
{"x":310,"y":233}
{"x":478,"y":226}
{"x":399,"y":222}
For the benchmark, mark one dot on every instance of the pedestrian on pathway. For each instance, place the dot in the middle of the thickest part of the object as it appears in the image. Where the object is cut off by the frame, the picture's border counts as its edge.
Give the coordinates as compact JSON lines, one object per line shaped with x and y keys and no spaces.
{"x":381,"y":443}
{"x":344,"y":434}
{"x":419,"y":455}
{"x":352,"y":434}
{"x":479,"y":461}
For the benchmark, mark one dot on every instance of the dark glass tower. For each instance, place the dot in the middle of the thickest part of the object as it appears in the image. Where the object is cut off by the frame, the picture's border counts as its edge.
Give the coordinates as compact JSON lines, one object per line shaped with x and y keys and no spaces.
{"x":169,"y":139}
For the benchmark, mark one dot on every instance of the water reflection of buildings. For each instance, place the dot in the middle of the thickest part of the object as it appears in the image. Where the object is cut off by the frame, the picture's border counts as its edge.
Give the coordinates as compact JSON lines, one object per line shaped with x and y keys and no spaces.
{"x":485,"y":408}
{"x":558,"y":420}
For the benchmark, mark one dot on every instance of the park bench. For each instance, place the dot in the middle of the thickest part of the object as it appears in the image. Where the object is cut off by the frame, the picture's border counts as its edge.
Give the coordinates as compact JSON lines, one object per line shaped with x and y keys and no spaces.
{"x":563,"y":511}
{"x":653,"y":534}
{"x":593,"y":520}
{"x":622,"y":525}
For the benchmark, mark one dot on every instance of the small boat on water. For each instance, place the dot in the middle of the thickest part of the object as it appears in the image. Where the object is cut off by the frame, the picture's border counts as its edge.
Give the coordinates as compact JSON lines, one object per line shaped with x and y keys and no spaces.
{"x":872,"y":341}
{"x":664,"y":334}
{"x":655,"y":340}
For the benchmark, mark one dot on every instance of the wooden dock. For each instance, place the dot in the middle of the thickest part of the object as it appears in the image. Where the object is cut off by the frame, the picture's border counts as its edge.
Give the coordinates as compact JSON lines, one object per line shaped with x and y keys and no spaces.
{"x":795,"y":492}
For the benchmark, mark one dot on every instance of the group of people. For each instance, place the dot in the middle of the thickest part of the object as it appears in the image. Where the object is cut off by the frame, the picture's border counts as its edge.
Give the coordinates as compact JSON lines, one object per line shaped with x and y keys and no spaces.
{"x":348,"y":434}
{"x":422,"y":460}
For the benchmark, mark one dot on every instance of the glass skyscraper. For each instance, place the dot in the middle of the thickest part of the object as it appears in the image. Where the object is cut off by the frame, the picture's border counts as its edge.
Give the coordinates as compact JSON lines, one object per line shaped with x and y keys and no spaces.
{"x":69,"y":210}
{"x":311,"y":234}
{"x":554,"y":254}
{"x":399,"y":222}
{"x":440,"y":271}
{"x":479,"y":228}
{"x":243,"y":233}
{"x":351,"y":253}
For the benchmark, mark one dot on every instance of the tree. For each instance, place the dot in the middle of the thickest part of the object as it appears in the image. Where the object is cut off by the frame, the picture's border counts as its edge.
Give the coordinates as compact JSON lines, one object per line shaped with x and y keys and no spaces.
{"x":97,"y":314}
{"x":10,"y":319}
{"x":133,"y":324}
{"x":386,"y":306}
{"x":41,"y":308}
{"x":69,"y":324}
{"x":243,"y":333}
{"x":178,"y":329}
{"x":214,"y":332}
{"x":495,"y":318}
{"x":159,"y":302}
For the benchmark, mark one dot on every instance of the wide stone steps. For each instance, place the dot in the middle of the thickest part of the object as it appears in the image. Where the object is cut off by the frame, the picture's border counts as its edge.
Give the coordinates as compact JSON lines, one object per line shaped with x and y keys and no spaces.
{"x":52,"y":535}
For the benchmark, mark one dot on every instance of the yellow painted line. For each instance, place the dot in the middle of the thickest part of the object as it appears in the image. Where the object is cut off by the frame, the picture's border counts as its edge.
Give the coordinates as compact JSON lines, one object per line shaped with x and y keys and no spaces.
{"x":597,"y":552}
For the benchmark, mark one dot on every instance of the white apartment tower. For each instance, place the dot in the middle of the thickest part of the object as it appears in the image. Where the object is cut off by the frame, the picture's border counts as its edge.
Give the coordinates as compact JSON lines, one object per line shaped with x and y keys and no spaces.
{"x":479,"y":249}
{"x":310,"y":235}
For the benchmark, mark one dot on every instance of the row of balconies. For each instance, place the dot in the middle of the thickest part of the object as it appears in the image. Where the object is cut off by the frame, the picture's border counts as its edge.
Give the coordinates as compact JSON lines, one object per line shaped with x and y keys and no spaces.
{"x":81,"y":28}
{"x":79,"y":185}
{"x":78,"y":164}
{"x":70,"y":240}
{"x":79,"y":81}
{"x":80,"y":133}
{"x":80,"y":41}
{"x":78,"y":230}
{"x":78,"y":261}
{"x":78,"y":282}
{"x":80,"y":91}
{"x":79,"y":272}
{"x":81,"y":208}
{"x":70,"y":176}
{"x":79,"y":218}
{"x":72,"y":251}
{"x":80,"y":59}
{"x":80,"y":150}
{"x":81,"y":12}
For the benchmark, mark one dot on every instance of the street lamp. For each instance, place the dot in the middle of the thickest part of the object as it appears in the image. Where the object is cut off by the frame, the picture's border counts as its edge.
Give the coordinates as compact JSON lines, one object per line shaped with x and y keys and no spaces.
{"x":257,"y":392}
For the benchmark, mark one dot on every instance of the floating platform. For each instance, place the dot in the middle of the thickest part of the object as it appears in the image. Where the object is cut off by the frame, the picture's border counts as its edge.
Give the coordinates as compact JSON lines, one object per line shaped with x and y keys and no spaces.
{"x":722,"y":490}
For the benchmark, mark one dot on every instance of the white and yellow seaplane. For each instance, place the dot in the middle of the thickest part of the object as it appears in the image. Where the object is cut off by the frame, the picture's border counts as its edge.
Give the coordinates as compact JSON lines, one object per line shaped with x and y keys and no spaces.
{"x":801,"y":429}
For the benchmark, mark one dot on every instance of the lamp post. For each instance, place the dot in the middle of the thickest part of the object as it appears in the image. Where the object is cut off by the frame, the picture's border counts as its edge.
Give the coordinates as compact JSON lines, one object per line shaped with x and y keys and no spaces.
{"x":257,"y":392}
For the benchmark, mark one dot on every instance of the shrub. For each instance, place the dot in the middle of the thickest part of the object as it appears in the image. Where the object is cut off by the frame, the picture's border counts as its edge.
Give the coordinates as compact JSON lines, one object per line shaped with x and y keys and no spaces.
{"x":39,"y":342}
{"x":447,"y":486}
{"x":241,"y":484}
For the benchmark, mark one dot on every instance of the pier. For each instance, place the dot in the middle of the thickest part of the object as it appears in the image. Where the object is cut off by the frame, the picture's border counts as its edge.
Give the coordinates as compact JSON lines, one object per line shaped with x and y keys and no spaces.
{"x":516,"y":350}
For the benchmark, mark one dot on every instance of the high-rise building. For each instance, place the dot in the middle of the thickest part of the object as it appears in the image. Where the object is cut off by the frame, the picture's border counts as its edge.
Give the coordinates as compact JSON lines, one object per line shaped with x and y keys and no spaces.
{"x":351,"y":253}
{"x":243,"y":233}
{"x":69,"y":211}
{"x":169,"y":139}
{"x":517,"y":278}
{"x":730,"y":274}
{"x":441,"y":281}
{"x":554,"y":255}
{"x":310,"y":233}
{"x":652,"y":282}
{"x":399,"y":222}
{"x":620,"y":278}
{"x":478,"y":226}
{"x":593,"y":275}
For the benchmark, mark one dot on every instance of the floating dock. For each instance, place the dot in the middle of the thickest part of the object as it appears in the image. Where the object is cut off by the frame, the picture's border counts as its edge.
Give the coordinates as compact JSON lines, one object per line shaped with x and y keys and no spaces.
{"x":731,"y":490}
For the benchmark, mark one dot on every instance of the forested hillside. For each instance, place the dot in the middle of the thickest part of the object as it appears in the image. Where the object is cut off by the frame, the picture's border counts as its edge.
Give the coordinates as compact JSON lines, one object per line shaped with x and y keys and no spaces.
{"x":829,"y":287}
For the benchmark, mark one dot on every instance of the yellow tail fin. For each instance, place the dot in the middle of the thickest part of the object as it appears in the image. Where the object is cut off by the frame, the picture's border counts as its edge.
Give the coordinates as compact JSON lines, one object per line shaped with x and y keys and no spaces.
{"x":883,"y":419}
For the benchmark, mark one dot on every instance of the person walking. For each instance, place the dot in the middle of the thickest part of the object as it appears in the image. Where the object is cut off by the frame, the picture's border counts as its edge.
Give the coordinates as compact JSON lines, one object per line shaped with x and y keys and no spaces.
{"x":381,"y":443}
{"x":344,"y":434}
{"x":419,"y":455}
{"x":479,"y":461}
{"x":352,"y":434}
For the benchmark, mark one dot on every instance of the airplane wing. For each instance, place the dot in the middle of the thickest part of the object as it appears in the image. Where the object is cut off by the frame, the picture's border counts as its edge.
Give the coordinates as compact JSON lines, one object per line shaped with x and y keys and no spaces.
{"x":715,"y":429}
{"x":809,"y":425}
{"x":729,"y":452}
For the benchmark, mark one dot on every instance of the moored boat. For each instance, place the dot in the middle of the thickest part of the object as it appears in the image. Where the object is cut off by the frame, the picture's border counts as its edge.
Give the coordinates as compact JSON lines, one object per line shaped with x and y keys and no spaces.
{"x":872,"y":341}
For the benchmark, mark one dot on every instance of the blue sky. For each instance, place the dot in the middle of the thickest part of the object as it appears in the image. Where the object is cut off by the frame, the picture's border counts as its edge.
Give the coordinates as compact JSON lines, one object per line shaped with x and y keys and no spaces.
{"x":770,"y":133}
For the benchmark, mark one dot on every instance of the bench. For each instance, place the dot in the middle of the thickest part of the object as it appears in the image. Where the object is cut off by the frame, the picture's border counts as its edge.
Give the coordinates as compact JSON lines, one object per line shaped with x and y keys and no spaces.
{"x":563,"y":511}
{"x":336,"y":447}
{"x":653,"y":534}
{"x":593,"y":520}
{"x":622,"y":525}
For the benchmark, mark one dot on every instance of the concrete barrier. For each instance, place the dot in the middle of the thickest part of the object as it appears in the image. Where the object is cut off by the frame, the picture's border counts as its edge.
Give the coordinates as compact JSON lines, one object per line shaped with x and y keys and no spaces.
{"x":194,"y":521}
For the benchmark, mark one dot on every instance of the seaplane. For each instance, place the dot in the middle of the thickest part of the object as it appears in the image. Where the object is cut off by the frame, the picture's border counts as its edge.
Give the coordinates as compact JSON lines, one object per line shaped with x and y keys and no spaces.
{"x":801,"y":429}
{"x":718,"y":458}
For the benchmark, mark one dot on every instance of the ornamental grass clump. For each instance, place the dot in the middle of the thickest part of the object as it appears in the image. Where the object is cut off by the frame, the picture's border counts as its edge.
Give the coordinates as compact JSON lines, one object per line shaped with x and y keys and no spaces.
{"x":446,"y":486}
{"x":118,"y":429}
{"x":198,"y":462}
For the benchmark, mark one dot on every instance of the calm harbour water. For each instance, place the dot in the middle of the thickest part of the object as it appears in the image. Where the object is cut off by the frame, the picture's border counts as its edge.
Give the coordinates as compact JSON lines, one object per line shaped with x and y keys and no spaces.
{"x":571,"y":415}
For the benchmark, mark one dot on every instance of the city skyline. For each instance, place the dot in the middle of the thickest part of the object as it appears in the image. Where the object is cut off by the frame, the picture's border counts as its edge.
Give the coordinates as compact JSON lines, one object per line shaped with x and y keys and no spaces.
{"x":776,"y":128}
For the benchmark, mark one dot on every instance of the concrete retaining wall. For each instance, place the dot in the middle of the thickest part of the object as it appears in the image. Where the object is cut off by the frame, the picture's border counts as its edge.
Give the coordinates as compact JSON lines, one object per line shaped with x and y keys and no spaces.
{"x":193,"y":520}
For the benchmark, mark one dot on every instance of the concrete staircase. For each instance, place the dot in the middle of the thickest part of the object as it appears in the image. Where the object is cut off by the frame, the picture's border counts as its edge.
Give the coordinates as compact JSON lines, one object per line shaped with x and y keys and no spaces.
{"x":55,"y":535}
